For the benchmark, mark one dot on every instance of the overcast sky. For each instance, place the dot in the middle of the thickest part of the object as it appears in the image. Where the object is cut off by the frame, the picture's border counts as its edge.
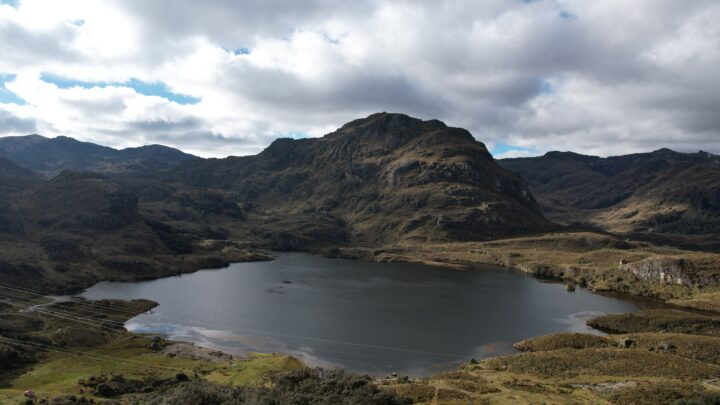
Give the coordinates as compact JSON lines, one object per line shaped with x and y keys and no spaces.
{"x":222,"y":77}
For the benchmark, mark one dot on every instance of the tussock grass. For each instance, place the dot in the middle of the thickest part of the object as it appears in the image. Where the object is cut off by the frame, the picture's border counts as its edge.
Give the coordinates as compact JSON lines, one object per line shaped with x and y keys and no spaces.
{"x":563,"y":341}
{"x":659,"y":320}
{"x":571,"y":363}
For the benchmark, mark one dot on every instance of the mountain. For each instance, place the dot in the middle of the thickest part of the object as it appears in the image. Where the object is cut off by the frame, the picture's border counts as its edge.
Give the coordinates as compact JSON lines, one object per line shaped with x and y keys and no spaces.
{"x":79,"y":228}
{"x":382,"y":183}
{"x":51,"y":156}
{"x":661,"y":191}
{"x":384,"y":178}
{"x":14,"y":177}
{"x":157,"y":153}
{"x":387,"y":179}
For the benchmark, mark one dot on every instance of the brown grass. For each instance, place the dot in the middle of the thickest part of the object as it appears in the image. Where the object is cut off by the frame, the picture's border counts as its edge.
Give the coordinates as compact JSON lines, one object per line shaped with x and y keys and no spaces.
{"x":570,"y":363}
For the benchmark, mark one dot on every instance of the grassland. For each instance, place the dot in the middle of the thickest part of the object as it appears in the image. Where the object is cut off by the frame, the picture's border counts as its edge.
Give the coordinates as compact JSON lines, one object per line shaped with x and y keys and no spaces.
{"x":58,"y":373}
{"x":659,"y":356}
{"x":61,"y":355}
{"x":662,"y":356}
{"x":567,"y":368}
{"x":586,"y":259}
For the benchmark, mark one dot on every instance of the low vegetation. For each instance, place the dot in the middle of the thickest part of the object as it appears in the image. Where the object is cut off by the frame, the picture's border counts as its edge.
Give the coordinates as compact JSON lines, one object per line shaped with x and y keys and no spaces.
{"x":645,"y":368}
{"x":599,"y":262}
{"x":302,"y":386}
{"x":660,"y":320}
{"x":68,"y":362}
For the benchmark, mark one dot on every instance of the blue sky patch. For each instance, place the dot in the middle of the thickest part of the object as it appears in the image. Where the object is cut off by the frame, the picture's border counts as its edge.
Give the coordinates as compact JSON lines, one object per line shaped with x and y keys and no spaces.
{"x":241,"y":51}
{"x":11,"y":3}
{"x":566,"y":15}
{"x":546,"y":87}
{"x":294,"y":135}
{"x":77,"y":22}
{"x":502,"y":147}
{"x":330,"y":39}
{"x":145,"y":88}
{"x":7,"y":96}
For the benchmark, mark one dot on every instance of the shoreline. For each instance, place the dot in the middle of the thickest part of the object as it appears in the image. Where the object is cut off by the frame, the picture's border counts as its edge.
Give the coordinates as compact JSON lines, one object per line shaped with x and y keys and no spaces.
{"x":497,"y":375}
{"x":202,"y":340}
{"x":425,"y":255}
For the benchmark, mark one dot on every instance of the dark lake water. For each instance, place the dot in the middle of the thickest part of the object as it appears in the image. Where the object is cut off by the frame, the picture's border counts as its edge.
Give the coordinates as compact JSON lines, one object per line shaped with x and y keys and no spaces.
{"x":366,"y":317}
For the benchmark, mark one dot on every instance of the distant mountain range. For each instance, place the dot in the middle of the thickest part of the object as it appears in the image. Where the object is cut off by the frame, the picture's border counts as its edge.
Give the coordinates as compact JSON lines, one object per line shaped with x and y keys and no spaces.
{"x":50,"y":156}
{"x":661,"y":191}
{"x":72,"y":213}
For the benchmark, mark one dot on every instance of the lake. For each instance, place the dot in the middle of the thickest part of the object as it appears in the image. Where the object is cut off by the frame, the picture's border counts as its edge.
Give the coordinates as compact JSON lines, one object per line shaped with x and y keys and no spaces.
{"x":366,"y":317}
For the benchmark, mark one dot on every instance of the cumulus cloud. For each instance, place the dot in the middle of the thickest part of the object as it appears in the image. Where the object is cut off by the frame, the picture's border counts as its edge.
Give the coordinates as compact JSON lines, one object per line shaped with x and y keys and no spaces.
{"x":604,"y":78}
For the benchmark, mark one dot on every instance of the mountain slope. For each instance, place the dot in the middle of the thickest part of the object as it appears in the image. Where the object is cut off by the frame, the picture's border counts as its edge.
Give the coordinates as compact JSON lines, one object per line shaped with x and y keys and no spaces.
{"x":13,"y":179}
{"x":51,"y":156}
{"x":79,"y":228}
{"x":384,"y":178}
{"x":159,"y":153}
{"x":662,"y":191}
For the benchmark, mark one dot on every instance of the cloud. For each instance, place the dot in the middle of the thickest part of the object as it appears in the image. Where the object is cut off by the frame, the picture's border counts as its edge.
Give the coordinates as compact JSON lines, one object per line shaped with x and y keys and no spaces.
{"x":13,"y":125}
{"x":515,"y":154}
{"x":595,"y":77}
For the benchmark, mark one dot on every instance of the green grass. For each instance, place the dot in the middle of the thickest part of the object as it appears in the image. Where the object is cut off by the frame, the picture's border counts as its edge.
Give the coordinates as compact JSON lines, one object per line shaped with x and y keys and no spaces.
{"x":59,"y":373}
{"x":253,"y":370}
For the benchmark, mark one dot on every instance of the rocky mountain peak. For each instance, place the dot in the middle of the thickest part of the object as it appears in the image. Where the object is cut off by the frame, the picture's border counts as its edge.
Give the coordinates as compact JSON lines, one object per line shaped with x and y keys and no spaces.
{"x":390,"y":129}
{"x":389,"y":123}
{"x":386,"y":177}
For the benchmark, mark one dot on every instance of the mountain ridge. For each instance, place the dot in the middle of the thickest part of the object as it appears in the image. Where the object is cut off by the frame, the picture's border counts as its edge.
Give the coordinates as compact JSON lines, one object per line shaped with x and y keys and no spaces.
{"x":384,"y":179}
{"x":390,"y":166}
{"x":661,"y":191}
{"x":379,"y":181}
{"x":50,"y":156}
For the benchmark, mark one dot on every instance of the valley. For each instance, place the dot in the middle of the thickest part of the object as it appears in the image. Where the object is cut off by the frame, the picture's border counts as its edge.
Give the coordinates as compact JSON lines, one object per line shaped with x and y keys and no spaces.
{"x":387,"y":188}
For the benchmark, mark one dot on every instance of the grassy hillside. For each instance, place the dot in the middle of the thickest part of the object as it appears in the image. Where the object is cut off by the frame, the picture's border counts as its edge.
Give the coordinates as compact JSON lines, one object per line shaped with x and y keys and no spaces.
{"x":663,"y":191}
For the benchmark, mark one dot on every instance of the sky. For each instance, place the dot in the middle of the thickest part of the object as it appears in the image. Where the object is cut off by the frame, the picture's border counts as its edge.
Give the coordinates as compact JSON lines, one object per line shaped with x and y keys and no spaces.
{"x":221,"y":77}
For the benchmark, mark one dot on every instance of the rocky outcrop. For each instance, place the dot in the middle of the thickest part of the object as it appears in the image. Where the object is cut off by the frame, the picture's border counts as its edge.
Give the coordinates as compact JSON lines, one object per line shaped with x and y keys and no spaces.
{"x":663,"y":270}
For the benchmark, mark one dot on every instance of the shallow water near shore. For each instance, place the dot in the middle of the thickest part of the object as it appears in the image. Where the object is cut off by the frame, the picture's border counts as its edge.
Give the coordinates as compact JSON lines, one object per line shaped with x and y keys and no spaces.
{"x":366,"y":317}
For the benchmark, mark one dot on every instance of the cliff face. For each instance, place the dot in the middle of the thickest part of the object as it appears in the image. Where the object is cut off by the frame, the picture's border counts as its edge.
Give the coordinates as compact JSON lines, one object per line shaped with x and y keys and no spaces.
{"x":700,"y":270}
{"x":384,"y":178}
{"x":663,"y":270}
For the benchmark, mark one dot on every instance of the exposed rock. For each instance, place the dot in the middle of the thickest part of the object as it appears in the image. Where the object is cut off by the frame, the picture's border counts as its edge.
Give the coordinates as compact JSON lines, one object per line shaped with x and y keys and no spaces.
{"x":664,"y":270}
{"x":383,"y":178}
{"x":628,"y":343}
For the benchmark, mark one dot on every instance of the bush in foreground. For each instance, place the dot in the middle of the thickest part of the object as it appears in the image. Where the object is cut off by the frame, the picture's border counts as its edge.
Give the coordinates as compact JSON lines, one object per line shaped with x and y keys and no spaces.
{"x":299,"y":387}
